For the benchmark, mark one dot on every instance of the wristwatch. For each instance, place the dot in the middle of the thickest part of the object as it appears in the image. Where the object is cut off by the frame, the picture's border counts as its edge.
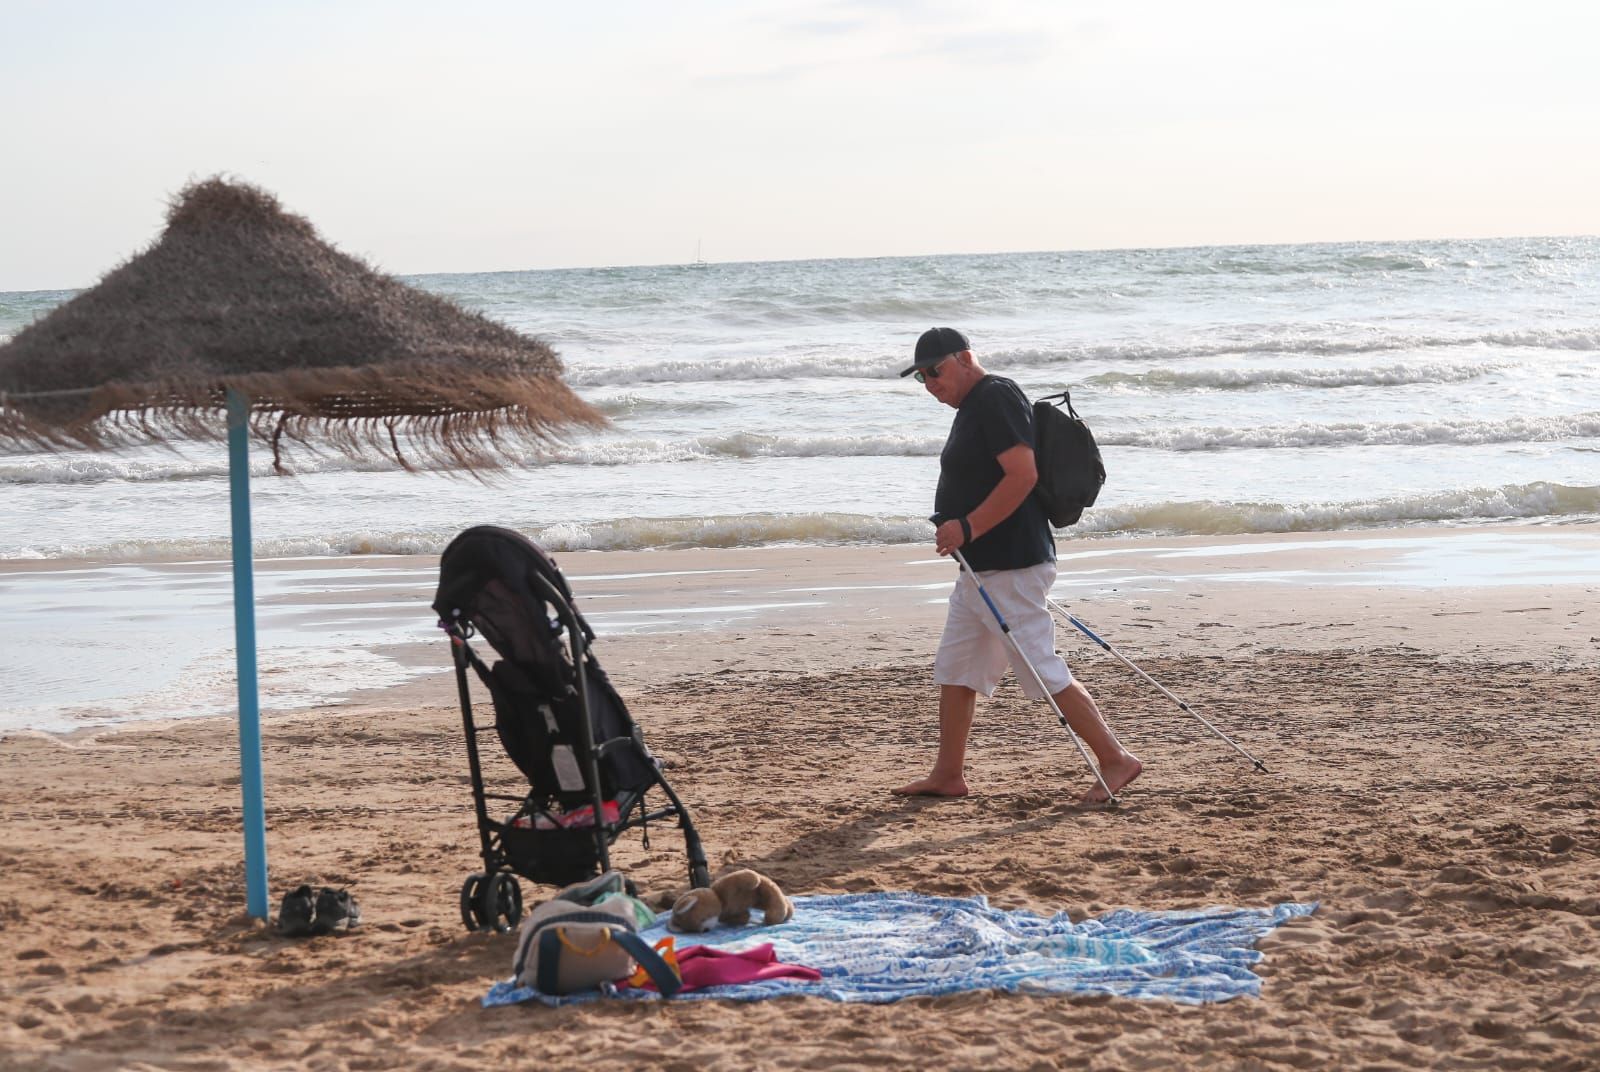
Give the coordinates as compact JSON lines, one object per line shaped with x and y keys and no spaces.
{"x":966,"y":531}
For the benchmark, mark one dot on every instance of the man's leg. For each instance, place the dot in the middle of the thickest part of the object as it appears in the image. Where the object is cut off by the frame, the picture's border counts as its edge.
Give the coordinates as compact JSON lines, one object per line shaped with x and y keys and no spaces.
{"x":971,"y":659}
{"x":1118,"y":766}
{"x":956,"y":707}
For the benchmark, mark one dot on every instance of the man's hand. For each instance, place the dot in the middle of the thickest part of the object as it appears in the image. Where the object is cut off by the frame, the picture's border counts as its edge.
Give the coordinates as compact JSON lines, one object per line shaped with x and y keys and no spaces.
{"x":948,"y":537}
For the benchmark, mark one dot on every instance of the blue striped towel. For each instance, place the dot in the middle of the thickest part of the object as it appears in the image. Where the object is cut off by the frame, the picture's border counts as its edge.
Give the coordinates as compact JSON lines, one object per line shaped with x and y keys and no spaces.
{"x":881,"y":947}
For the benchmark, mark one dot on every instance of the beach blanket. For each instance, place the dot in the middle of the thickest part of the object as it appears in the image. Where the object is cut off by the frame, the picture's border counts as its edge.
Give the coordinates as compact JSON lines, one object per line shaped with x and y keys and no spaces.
{"x":881,"y":947}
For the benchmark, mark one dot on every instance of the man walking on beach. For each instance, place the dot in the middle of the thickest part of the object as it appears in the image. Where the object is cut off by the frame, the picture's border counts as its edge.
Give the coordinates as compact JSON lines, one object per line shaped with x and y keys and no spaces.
{"x":986,"y":472}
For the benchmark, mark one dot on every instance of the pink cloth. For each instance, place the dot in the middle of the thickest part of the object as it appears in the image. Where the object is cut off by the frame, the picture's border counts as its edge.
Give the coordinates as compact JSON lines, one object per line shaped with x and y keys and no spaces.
{"x":704,"y":965}
{"x":571,"y":820}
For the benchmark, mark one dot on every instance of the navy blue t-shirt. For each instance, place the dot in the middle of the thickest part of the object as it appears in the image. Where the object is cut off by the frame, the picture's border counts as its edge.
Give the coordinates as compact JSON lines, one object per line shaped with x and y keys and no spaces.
{"x":994,"y":417}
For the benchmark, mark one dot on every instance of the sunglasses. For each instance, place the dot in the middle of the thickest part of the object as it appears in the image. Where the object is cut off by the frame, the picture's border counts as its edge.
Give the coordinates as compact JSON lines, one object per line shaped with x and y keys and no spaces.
{"x":923,"y":375}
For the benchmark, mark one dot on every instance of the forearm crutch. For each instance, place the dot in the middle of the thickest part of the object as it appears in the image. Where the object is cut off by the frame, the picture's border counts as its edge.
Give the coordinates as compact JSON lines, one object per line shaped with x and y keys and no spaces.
{"x":1022,"y":659}
{"x":1090,"y":633}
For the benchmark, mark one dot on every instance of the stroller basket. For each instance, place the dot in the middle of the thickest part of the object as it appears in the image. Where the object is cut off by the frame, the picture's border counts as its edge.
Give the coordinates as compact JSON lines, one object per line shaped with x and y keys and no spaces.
{"x":589,"y":773}
{"x":551,"y":857}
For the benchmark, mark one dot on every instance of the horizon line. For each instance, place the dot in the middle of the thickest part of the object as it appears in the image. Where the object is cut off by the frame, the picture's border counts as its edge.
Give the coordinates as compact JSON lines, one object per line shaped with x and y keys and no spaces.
{"x":902,"y":256}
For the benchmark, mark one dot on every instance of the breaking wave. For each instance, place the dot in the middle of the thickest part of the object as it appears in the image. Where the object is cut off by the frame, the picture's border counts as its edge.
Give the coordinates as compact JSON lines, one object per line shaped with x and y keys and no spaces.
{"x":622,"y":534}
{"x":1264,"y":437}
{"x":888,"y":366}
{"x":1244,"y":379}
{"x":632,"y":405}
{"x":48,"y":468}
{"x":1506,"y":503}
{"x":1356,"y":434}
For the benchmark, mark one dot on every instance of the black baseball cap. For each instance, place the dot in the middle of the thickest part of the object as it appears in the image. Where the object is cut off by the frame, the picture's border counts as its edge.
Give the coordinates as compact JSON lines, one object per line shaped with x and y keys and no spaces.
{"x":935,"y":345}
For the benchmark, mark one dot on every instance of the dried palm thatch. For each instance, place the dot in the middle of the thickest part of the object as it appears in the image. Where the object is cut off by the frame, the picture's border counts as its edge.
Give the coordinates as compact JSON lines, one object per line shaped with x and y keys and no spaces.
{"x":239,"y":294}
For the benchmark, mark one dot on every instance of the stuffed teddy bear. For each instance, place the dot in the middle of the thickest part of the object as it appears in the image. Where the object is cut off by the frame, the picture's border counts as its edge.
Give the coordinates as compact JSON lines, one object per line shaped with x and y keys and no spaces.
{"x":729,"y":901}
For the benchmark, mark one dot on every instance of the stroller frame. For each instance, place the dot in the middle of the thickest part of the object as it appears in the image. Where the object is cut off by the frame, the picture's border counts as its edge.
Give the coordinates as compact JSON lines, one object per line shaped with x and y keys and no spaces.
{"x":533,"y":842}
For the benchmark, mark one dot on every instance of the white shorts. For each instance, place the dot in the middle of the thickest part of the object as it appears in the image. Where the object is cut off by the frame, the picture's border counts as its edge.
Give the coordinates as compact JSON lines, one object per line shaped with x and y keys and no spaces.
{"x":973,"y":652}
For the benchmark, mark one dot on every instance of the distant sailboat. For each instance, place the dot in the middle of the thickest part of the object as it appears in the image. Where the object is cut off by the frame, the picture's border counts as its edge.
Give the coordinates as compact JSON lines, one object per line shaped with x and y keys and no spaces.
{"x":699,"y":261}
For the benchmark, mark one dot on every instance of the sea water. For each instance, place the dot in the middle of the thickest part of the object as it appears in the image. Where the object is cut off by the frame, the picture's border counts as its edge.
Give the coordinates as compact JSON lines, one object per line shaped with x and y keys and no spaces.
{"x":1231,"y":389}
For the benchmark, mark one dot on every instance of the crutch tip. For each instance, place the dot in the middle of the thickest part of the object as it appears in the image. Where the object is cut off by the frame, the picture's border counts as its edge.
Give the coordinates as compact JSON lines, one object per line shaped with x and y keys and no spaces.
{"x":1262,"y":767}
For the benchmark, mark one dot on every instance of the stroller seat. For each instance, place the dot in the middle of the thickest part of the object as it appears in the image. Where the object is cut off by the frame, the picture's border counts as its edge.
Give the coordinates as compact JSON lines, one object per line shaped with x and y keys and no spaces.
{"x":560,"y":721}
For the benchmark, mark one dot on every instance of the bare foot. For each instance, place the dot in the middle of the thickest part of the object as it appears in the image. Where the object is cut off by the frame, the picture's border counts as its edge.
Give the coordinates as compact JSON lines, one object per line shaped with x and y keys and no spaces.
{"x":933,"y":787}
{"x":1117,"y":775}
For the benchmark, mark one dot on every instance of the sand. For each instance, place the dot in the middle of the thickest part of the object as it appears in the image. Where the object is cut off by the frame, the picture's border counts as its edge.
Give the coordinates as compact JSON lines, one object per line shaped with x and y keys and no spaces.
{"x":1433,"y":752}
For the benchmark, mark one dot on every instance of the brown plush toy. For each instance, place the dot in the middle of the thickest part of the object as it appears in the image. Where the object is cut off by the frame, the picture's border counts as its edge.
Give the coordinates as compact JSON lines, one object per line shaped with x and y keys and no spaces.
{"x":729,"y":901}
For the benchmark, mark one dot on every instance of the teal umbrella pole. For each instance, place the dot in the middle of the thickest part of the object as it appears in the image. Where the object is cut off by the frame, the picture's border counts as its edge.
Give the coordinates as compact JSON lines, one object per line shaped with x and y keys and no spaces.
{"x":244,"y":631}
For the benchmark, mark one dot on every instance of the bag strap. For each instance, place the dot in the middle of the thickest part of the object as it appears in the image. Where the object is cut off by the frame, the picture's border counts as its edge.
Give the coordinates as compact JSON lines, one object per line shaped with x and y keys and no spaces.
{"x":661,"y":973}
{"x":549,"y":960}
{"x":1066,"y":398}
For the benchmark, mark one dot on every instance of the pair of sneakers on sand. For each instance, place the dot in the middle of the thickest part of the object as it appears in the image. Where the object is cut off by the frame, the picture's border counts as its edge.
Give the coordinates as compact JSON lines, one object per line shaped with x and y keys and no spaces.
{"x":329,"y":910}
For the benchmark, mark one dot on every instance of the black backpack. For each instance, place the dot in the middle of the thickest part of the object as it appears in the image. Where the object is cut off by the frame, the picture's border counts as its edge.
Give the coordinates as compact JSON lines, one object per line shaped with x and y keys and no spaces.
{"x":1070,"y":470}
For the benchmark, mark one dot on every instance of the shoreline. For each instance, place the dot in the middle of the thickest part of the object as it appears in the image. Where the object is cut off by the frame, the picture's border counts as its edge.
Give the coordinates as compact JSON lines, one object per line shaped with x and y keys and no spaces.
{"x":337,"y":633}
{"x":1065,"y":540}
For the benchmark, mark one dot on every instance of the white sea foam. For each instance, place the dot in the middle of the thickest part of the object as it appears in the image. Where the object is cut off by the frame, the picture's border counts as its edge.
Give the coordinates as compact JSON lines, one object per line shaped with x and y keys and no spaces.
{"x":746,"y":530}
{"x":611,"y":451}
{"x":749,"y":368}
{"x":1343,"y":434}
{"x":739,"y":445}
{"x":1535,"y":500}
{"x":1258,"y":342}
{"x":1234,"y":379}
{"x":1347,"y":434}
{"x":44,"y":467}
{"x":1515,"y":501}
{"x":633,"y":405}
{"x":1269,"y":340}
{"x":48,"y":468}
{"x":630,"y":533}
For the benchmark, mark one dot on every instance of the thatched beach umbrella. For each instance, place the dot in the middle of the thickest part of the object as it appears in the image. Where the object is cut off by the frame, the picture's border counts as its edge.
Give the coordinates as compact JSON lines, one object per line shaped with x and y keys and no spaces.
{"x":241,"y":320}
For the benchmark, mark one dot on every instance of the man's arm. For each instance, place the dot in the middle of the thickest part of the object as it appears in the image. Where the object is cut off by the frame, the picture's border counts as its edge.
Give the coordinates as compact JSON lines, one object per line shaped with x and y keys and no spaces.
{"x":1021,"y":474}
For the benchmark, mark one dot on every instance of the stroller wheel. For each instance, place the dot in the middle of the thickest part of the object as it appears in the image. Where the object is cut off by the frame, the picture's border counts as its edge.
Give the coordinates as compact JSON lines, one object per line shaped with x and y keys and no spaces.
{"x":469,"y":901}
{"x":500,"y":907}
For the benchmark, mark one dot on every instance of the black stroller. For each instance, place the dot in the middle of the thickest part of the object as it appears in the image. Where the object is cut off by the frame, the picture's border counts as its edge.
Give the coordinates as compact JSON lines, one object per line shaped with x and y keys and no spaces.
{"x":559,"y":720}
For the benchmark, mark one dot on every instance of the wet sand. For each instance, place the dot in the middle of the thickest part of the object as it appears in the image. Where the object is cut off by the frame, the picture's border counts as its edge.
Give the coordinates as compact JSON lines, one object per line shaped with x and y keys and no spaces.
{"x":1432,"y":748}
{"x":157,"y":636}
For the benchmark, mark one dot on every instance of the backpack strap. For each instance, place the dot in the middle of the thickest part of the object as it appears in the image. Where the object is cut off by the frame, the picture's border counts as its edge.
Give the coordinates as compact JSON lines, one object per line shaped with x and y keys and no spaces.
{"x":1066,"y":399}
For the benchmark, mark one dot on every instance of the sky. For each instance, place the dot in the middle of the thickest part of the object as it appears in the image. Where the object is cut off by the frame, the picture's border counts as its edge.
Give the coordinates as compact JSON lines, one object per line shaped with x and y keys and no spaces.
{"x":487,"y":136}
